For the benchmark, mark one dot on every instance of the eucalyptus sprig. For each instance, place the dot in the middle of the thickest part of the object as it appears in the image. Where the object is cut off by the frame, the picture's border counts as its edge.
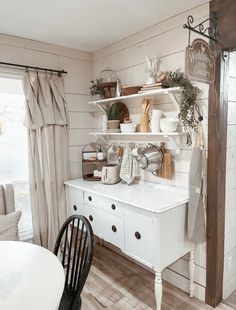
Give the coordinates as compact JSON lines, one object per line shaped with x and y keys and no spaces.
{"x":189,"y":108}
{"x":95,"y":89}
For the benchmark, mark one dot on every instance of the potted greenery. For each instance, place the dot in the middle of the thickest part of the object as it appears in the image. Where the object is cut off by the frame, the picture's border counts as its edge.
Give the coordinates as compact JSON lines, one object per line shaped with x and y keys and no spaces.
{"x":96,"y":91}
{"x":113,"y":117}
{"x":189,"y":115}
{"x":116,"y":114}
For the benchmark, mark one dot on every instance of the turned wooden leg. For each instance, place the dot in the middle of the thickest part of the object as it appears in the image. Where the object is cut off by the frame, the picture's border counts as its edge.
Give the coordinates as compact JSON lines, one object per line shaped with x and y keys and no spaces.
{"x":191,"y":273}
{"x":101,"y":242}
{"x":158,"y":290}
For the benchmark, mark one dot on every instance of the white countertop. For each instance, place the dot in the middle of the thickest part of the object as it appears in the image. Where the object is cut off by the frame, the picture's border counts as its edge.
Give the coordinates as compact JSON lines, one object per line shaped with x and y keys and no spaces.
{"x":146,"y":195}
{"x":31,"y":277}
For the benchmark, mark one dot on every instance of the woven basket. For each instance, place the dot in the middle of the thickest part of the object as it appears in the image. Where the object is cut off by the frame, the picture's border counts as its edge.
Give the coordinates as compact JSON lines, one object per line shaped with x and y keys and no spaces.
{"x":130,"y":90}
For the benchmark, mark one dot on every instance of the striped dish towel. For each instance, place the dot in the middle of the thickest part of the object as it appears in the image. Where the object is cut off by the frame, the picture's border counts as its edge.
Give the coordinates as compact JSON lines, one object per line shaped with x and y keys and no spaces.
{"x":129,"y":166}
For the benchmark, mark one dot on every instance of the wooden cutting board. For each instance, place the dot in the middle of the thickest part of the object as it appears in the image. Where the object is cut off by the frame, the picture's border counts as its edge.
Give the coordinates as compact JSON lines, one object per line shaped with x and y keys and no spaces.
{"x":166,"y":171}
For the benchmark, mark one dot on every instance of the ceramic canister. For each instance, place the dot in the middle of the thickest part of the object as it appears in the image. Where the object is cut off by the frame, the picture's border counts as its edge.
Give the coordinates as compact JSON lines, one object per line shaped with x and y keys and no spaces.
{"x":156,"y":114}
{"x":155,"y":120}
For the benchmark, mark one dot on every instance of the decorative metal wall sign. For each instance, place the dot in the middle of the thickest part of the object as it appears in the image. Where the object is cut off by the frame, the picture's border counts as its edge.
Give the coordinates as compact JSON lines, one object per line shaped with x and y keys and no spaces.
{"x":199,"y":62}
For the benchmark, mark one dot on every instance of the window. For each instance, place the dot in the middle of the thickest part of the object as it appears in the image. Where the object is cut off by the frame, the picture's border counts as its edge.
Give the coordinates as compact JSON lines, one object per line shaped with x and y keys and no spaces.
{"x":14,"y":149}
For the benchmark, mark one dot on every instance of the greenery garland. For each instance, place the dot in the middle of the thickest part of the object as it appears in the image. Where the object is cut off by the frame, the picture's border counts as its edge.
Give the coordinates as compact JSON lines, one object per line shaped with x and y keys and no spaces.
{"x":188,"y":108}
{"x":95,"y":89}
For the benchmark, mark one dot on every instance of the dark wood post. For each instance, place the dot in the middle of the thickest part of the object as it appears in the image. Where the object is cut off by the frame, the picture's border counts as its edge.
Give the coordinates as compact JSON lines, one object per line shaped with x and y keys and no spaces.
{"x":217,"y":139}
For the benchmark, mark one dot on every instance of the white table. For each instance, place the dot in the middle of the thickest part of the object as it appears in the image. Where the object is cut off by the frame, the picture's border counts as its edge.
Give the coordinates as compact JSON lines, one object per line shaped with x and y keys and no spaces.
{"x":31,"y":277}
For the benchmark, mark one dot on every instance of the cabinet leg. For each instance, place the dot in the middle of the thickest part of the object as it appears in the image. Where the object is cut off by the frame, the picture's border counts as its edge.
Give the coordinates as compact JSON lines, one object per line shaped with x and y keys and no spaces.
{"x":191,"y":273}
{"x":158,"y":290}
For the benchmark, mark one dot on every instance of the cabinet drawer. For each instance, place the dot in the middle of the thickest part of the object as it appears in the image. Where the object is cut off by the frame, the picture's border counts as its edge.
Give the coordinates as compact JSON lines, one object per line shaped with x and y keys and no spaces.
{"x":74,"y":199}
{"x":113,"y":230}
{"x":103,"y":203}
{"x":141,"y":237}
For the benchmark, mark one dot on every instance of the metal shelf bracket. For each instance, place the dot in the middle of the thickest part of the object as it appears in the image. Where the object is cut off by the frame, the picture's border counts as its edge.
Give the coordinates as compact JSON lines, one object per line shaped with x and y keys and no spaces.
{"x":176,"y":100}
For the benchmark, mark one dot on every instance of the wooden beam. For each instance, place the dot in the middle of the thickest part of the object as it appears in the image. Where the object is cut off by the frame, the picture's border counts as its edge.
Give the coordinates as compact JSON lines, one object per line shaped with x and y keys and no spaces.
{"x":216,"y":170}
{"x":217,"y":142}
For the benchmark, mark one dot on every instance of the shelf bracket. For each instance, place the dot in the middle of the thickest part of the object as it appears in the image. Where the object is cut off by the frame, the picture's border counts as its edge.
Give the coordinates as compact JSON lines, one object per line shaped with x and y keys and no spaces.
{"x":175,"y":144}
{"x":105,"y":139}
{"x":176,"y":100}
{"x":102,"y":108}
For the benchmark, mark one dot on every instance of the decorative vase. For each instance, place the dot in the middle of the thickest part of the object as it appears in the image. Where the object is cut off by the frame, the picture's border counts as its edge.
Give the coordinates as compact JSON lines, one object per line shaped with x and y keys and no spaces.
{"x":150,"y":80}
{"x":97,"y":97}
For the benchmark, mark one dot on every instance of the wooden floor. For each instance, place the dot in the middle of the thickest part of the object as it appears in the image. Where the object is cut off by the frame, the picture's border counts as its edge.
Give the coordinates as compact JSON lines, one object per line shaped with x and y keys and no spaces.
{"x":231,"y":300}
{"x":116,"y":283}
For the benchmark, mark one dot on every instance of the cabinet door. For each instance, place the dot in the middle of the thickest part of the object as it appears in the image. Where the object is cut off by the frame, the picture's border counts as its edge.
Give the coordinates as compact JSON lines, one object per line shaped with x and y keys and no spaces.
{"x":141,"y":237}
{"x":96,"y":219}
{"x":106,"y":226}
{"x":74,"y":199}
{"x":113,"y":230}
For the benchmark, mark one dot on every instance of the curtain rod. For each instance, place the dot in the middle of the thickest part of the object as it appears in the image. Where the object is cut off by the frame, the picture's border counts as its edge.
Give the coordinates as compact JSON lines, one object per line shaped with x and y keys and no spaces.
{"x":32,"y":67}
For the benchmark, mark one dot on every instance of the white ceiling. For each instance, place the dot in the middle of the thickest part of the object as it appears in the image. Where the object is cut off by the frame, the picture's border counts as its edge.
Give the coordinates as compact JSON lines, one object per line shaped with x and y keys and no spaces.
{"x":85,"y":24}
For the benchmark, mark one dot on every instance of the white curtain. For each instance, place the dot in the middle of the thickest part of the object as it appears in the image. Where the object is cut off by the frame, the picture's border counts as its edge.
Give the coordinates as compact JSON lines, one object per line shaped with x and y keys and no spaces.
{"x":47,"y":123}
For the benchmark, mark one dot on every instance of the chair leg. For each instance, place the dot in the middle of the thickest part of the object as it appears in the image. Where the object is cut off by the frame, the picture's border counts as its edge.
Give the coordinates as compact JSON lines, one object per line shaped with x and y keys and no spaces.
{"x":77,"y":304}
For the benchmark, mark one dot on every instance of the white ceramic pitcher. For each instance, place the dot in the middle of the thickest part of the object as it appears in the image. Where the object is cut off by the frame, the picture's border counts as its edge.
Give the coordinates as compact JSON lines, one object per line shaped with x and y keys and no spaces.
{"x":155,"y":120}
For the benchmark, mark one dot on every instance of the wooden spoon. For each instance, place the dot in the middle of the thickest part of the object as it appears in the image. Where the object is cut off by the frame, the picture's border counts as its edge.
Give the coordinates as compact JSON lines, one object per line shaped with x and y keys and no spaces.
{"x":148,"y":106}
{"x":144,"y":105}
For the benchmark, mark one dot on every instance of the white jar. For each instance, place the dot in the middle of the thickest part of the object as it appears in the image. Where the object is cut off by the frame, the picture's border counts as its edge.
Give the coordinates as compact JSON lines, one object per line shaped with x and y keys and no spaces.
{"x":104,"y":123}
{"x":100,"y":155}
{"x":155,"y":120}
{"x":156,"y":114}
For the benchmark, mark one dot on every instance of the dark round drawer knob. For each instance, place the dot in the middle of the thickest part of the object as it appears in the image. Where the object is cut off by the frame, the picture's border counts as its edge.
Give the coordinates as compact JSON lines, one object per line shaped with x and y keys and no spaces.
{"x":137,"y":235}
{"x":90,"y":218}
{"x":90,"y":198}
{"x":75,"y":208}
{"x":114,"y":228}
{"x":113,"y":206}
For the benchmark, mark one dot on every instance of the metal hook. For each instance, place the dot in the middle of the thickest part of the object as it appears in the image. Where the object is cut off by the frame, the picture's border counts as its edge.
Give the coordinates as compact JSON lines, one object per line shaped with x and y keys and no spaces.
{"x":200,"y":117}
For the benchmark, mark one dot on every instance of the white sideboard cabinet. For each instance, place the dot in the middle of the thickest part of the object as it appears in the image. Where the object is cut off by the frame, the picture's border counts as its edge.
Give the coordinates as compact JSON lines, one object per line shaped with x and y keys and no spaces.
{"x":146,"y":221}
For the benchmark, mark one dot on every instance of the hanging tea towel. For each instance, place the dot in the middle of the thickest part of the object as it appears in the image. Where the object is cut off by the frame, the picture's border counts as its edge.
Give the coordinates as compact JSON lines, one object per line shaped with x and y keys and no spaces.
{"x":129,"y":166}
{"x":196,"y":213}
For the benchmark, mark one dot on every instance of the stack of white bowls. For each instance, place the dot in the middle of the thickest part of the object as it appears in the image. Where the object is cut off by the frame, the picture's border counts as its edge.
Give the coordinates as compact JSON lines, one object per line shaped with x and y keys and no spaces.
{"x":168,"y":124}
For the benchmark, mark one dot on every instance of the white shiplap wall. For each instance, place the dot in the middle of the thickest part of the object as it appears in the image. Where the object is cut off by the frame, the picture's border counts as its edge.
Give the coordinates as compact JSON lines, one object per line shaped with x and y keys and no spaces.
{"x":79,"y":67}
{"x":230,"y":207}
{"x":168,"y":41}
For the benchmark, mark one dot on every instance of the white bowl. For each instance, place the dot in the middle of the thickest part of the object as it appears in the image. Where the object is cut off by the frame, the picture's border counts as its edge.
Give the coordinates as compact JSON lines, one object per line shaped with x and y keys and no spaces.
{"x":168,"y":124}
{"x":128,"y":127}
